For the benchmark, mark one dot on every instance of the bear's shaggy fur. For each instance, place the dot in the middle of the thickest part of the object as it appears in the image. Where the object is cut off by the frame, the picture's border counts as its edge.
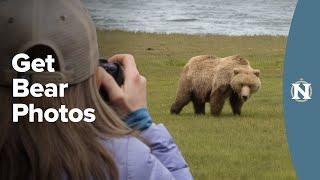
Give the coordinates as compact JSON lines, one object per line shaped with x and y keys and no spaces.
{"x":211,"y":79}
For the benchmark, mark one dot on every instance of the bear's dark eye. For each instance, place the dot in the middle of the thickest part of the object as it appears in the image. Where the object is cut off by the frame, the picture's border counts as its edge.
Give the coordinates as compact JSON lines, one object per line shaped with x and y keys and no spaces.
{"x":252,"y":86}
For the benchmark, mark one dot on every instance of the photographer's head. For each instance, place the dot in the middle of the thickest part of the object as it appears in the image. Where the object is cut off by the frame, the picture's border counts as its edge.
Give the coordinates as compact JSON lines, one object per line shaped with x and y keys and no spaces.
{"x":64,"y":26}
{"x":65,"y":30}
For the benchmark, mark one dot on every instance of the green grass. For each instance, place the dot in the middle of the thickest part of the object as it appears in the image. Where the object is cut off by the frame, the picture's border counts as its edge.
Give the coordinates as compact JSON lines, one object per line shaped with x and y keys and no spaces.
{"x":253,"y":146}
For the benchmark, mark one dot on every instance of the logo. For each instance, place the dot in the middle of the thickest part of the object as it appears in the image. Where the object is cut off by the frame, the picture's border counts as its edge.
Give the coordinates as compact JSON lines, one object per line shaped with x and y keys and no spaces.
{"x":301,"y":91}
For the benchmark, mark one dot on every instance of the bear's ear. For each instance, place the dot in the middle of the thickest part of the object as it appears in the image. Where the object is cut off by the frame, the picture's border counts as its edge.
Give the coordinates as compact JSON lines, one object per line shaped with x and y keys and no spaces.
{"x":256,"y":72}
{"x":236,"y":71}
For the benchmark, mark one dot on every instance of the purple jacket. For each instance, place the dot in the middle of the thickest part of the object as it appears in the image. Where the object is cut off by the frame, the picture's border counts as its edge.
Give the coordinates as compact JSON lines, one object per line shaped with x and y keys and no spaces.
{"x":162,"y":160}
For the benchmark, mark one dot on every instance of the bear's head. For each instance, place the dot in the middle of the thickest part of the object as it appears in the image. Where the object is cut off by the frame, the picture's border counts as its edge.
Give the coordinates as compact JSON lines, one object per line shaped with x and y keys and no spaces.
{"x":245,"y":82}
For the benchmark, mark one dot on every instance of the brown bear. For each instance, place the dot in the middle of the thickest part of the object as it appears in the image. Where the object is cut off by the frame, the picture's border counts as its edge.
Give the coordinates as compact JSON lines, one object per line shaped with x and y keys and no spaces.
{"x":211,"y":79}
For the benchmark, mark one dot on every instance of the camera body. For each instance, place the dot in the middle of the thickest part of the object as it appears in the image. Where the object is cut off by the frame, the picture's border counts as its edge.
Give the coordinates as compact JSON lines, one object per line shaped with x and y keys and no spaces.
{"x":114,"y":69}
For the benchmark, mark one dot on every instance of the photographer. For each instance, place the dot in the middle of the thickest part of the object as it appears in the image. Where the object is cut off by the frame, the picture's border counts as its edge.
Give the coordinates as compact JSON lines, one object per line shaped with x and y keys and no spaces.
{"x":122,"y":143}
{"x":164,"y":161}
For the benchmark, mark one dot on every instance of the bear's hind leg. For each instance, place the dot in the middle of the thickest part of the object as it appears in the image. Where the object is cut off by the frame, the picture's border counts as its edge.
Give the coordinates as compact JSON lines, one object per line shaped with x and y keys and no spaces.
{"x":183,"y":98}
{"x":199,"y":106}
{"x":236,"y":103}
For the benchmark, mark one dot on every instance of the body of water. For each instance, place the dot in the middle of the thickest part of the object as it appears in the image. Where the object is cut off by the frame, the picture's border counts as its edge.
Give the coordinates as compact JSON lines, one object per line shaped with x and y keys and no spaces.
{"x":226,"y":17}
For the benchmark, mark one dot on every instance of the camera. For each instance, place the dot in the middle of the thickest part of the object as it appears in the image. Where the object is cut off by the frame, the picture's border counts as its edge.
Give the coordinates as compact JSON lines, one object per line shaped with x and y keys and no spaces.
{"x":114,"y":69}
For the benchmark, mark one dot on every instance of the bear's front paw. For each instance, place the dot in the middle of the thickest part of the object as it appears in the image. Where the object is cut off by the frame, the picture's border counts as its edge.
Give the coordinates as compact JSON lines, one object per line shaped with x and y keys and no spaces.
{"x":216,"y":114}
{"x":174,"y":111}
{"x":237,"y":113}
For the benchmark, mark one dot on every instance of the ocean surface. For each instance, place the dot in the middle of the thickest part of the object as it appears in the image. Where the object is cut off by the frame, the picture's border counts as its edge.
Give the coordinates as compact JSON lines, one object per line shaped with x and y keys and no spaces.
{"x":225,"y":17}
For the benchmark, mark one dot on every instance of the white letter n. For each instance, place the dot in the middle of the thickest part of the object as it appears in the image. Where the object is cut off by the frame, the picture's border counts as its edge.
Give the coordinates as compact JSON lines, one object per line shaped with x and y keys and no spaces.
{"x":304,"y":92}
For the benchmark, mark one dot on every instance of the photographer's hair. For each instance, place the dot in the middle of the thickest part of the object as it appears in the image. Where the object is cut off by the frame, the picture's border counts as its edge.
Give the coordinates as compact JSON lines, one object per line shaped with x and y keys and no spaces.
{"x":50,"y":151}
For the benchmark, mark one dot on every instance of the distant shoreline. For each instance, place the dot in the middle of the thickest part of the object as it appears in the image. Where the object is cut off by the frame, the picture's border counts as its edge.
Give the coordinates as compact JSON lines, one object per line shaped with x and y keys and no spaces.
{"x":186,"y":34}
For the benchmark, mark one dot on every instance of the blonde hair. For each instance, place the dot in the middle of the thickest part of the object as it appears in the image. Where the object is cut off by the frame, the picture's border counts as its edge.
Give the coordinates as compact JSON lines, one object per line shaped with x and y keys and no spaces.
{"x":57,"y":150}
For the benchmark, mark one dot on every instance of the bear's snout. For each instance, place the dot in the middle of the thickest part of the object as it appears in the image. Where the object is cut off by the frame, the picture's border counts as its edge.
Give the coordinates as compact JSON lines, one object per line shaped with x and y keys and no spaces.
{"x":245,"y":98}
{"x":245,"y":93}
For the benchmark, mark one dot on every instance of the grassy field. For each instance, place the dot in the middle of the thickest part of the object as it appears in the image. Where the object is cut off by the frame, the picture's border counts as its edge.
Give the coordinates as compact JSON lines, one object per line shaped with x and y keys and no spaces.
{"x":253,"y":146}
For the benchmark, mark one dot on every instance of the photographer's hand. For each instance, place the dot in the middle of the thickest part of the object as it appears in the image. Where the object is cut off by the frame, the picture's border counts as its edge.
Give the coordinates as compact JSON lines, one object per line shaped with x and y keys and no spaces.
{"x":132,"y":95}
